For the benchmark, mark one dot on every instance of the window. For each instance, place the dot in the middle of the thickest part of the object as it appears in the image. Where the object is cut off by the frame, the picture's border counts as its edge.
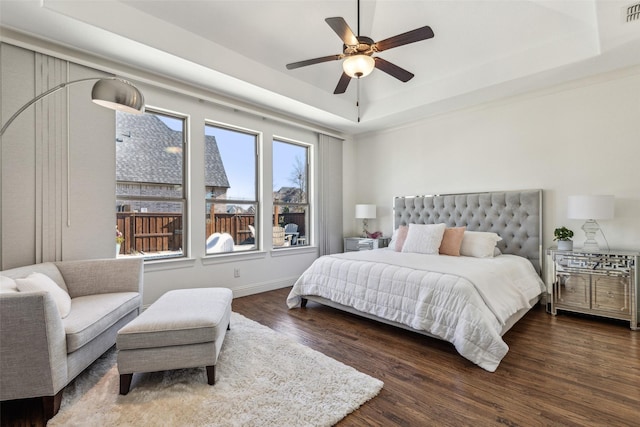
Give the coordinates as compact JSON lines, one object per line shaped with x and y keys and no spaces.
{"x":150,"y":190}
{"x":231,"y":164}
{"x":290,"y":193}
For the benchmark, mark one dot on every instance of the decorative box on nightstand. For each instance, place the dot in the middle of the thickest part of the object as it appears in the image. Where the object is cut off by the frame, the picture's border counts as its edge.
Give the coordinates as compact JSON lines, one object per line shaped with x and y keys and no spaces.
{"x":602,"y":283}
{"x":364,"y":243}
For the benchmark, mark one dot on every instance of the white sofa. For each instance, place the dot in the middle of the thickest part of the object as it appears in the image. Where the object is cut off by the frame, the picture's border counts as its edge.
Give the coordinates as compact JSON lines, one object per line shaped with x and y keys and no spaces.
{"x":40,"y":351}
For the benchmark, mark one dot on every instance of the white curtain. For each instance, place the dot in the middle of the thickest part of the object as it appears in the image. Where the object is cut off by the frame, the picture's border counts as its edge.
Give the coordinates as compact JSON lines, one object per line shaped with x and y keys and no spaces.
{"x":330,"y":195}
{"x":34,"y":151}
{"x":58,"y":162}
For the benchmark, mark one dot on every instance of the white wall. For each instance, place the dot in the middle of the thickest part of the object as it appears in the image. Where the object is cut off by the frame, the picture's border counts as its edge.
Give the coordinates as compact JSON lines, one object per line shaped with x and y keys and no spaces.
{"x":68,"y":204}
{"x":578,"y":138}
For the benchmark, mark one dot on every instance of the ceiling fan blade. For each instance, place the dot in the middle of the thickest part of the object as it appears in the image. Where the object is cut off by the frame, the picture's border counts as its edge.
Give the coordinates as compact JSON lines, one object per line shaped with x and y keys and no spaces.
{"x":412,"y":36}
{"x":393,"y":70}
{"x":339,"y":25}
{"x":299,"y":64}
{"x":342,"y":84}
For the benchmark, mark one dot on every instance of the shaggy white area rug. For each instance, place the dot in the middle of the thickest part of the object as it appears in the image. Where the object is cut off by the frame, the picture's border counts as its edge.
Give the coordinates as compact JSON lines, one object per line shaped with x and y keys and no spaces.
{"x":262,"y":379}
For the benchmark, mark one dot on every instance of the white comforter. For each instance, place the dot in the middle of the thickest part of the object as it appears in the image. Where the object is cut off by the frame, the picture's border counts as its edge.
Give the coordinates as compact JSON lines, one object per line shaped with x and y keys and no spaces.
{"x":463,"y":300}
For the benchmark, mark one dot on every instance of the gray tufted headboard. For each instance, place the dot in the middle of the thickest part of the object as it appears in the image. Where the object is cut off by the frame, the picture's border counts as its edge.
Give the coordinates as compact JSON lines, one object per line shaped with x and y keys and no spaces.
{"x":516,"y":216}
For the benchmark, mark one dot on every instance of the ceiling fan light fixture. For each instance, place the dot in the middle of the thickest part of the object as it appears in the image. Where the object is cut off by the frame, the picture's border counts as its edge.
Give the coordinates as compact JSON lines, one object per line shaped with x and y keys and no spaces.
{"x":357,"y":66}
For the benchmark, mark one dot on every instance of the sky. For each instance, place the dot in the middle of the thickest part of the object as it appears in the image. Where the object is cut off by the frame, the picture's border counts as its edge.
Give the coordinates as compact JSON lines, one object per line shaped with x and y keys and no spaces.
{"x":237,"y":148}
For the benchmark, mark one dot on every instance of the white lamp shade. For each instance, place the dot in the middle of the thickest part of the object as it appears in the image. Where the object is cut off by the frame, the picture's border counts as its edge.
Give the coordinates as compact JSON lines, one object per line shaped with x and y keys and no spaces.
{"x":358,"y":65}
{"x":590,"y":207}
{"x":366,"y":211}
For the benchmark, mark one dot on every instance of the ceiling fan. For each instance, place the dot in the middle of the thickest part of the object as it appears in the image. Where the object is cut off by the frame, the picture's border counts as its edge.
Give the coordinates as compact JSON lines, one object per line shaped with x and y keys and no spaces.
{"x":358,"y":51}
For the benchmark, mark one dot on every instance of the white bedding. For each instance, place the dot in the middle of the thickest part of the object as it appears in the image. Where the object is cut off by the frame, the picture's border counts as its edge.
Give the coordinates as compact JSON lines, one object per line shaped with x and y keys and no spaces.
{"x":463,"y":300}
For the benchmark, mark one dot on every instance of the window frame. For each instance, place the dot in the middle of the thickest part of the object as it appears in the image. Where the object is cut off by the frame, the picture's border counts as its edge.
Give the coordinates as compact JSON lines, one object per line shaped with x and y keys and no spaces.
{"x":308,"y":206}
{"x":257,"y":202}
{"x":184,"y":200}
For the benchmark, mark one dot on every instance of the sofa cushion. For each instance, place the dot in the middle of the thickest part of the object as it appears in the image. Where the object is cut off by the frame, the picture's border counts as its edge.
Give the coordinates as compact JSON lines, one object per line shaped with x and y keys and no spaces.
{"x":119,"y":275}
{"x":38,"y":282}
{"x":93,"y":314}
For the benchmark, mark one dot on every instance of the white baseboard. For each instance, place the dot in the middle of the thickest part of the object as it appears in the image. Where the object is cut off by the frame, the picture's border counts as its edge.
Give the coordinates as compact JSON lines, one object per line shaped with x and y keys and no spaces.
{"x":255,"y":288}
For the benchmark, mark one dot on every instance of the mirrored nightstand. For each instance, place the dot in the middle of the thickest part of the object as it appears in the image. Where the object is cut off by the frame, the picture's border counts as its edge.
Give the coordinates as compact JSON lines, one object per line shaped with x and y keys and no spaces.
{"x":364,"y":243}
{"x":602,"y":283}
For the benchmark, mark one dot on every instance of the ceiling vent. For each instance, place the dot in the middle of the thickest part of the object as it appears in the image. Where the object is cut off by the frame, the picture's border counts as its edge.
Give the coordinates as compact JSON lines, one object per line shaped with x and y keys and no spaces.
{"x":631,"y":13}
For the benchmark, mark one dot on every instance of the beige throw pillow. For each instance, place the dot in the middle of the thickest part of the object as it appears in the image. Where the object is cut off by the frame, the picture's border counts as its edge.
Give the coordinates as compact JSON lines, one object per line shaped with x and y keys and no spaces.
{"x":7,"y":285}
{"x":36,"y":282}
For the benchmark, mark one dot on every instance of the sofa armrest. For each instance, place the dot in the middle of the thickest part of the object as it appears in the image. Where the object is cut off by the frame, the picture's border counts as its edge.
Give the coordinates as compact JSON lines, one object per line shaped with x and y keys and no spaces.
{"x":102,"y":276}
{"x":33,"y":348}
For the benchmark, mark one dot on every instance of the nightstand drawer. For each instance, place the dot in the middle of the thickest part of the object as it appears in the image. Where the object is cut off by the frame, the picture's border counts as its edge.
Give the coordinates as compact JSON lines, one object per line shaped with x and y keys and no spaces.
{"x":611,"y":293}
{"x":355,"y":244}
{"x":572,"y":291}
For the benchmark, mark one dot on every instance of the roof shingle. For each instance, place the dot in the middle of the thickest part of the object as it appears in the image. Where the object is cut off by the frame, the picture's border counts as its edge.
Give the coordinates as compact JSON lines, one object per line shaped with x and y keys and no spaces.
{"x":147,"y":150}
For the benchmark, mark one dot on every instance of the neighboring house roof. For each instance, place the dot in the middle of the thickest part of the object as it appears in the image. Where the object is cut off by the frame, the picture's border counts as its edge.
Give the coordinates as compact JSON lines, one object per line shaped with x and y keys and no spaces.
{"x":147,"y":150}
{"x":289,"y":195}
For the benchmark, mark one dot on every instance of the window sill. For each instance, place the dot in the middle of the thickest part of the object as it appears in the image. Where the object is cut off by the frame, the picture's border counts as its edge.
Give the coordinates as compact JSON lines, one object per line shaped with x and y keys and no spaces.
{"x":232,"y":257}
{"x":293,"y":250}
{"x":168,"y":264}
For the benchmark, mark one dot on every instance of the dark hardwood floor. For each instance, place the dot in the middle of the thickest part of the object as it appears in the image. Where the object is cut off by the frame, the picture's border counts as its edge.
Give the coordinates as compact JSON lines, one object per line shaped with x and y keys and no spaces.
{"x":560,"y":371}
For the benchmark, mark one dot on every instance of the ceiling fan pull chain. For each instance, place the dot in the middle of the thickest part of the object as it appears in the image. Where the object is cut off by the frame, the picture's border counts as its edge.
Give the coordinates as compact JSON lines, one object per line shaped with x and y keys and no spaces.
{"x":358,"y":97}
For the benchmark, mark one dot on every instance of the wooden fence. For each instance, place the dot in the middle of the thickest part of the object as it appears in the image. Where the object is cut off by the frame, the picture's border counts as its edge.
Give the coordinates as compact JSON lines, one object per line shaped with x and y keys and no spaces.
{"x":235,"y":224}
{"x":238,"y":224}
{"x":150,"y":232}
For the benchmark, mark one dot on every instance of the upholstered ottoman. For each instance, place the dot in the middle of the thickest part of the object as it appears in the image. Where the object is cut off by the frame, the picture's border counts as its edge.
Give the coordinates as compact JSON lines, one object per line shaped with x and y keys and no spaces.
{"x":183,"y":329}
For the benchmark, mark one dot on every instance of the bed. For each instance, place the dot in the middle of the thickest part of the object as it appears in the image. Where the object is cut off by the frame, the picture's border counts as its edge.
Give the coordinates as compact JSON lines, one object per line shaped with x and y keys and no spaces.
{"x":469,"y":298}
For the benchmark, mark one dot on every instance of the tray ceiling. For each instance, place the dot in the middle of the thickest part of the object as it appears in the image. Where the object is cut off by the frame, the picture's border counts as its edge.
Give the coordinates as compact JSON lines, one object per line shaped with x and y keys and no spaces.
{"x":482,"y":50}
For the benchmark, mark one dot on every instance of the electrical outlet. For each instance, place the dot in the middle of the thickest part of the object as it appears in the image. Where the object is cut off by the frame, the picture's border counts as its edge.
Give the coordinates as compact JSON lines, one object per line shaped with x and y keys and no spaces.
{"x":236,"y":272}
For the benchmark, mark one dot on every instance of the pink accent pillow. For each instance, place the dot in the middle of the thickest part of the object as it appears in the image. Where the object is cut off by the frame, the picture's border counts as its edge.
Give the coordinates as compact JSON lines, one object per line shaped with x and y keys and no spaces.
{"x":402,"y":236}
{"x":451,"y":241}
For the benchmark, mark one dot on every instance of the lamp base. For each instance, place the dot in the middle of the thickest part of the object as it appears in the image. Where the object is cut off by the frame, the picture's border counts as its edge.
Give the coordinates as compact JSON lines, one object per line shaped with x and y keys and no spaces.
{"x":364,"y":228}
{"x":590,"y":228}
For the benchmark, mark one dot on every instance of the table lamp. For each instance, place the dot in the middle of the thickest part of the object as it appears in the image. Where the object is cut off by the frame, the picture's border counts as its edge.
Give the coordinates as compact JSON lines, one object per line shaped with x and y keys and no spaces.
{"x":365,"y":212}
{"x":590,"y":208}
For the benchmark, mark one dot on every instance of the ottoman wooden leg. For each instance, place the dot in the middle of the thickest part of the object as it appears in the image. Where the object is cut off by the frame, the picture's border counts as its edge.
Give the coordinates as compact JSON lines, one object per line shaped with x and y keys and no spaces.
{"x":125,"y":383}
{"x":211,"y":374}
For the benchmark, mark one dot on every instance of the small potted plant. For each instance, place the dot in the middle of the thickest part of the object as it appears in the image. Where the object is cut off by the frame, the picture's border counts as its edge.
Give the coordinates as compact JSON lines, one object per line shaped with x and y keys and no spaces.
{"x":119,"y":240}
{"x":563,"y":235}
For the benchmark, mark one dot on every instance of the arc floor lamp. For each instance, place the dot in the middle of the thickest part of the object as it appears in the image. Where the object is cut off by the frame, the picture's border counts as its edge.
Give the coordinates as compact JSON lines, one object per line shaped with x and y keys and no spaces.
{"x":110,"y":92}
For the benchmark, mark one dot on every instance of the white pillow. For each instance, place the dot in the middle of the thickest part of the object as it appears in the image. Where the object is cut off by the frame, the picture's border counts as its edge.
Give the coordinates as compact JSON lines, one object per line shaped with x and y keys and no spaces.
{"x":479,"y":244}
{"x":41,"y":282}
{"x":393,"y":240}
{"x":7,"y":285}
{"x":424,"y":238}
